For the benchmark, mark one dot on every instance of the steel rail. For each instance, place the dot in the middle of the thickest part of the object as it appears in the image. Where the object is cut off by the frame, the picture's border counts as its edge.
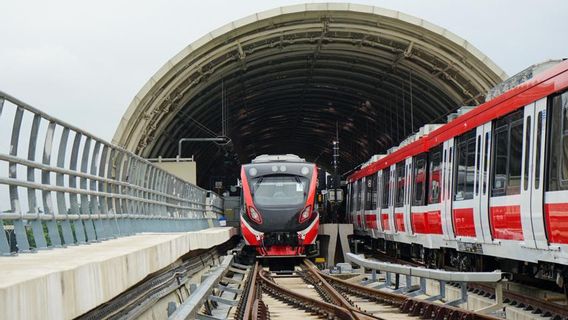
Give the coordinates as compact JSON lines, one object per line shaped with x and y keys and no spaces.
{"x":251,"y":292}
{"x":302,"y":300}
{"x":337,"y":297}
{"x":556,"y":310}
{"x":413,"y":306}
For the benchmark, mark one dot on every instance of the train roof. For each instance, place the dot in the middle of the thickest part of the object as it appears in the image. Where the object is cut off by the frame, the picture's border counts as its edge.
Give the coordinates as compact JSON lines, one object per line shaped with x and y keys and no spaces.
{"x":541,"y":85}
{"x":266,"y":158}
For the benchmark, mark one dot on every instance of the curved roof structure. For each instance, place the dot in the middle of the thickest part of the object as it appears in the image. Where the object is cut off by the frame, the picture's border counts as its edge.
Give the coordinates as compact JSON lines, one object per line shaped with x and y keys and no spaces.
{"x":289,"y":77}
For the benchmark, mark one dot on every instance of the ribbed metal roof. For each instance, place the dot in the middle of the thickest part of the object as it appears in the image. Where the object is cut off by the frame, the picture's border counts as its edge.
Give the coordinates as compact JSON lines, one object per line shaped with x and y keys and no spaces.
{"x":291,"y":74}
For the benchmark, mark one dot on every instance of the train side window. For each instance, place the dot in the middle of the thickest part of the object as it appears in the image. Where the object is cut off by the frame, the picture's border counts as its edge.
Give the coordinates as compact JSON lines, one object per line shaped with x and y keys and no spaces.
{"x":386,"y":188}
{"x":558,"y":163}
{"x":464,"y":166}
{"x":435,"y":175}
{"x":371,"y":197}
{"x":527,"y":156}
{"x":375,"y":197}
{"x":507,"y":155}
{"x":538,"y":143}
{"x":419,"y":176}
{"x":478,"y":163}
{"x":353,"y":202}
{"x":400,"y":180}
{"x":359,"y":194}
{"x":485,"y":162}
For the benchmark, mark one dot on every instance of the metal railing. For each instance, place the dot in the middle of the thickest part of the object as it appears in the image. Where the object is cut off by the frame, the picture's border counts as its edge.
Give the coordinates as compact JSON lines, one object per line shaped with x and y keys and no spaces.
{"x":213,"y":205}
{"x":60,"y":185}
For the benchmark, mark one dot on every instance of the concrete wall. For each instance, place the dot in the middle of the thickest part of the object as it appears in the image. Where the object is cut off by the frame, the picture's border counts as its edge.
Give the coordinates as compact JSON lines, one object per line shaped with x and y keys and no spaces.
{"x":184,"y":169}
{"x":65,"y":283}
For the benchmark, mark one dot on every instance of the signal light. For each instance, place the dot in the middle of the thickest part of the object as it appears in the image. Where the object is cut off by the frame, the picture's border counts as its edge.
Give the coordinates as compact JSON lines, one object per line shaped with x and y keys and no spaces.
{"x":306,"y":214}
{"x":254,"y":215}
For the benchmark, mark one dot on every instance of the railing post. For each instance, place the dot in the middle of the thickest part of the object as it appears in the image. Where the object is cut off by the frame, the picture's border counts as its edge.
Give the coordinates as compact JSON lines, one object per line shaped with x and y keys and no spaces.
{"x":93,"y":191}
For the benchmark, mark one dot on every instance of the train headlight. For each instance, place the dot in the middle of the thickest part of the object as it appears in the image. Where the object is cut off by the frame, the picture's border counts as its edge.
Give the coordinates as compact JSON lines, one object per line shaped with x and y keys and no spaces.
{"x":253,"y":172}
{"x":306,"y":214}
{"x":254,"y":215}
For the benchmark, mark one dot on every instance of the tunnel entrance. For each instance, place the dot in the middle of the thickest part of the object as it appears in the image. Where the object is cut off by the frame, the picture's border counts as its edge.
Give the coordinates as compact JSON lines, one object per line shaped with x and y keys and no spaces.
{"x":288,"y":79}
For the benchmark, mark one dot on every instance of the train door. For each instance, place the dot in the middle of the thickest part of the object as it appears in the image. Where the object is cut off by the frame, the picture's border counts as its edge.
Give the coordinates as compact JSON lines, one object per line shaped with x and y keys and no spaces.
{"x":370,"y":203}
{"x":354,"y":204}
{"x":480,"y":201}
{"x":556,"y":182}
{"x":446,"y":193}
{"x":386,"y":207}
{"x":363,"y":203}
{"x":484,"y":182}
{"x":538,"y":167}
{"x":360,"y":201}
{"x":400,"y":197}
{"x":463,"y":202}
{"x":392,"y":199}
{"x":379,"y":200}
{"x":349,"y":205}
{"x":506,"y":202}
{"x":418,"y":210}
{"x":407,"y":196}
{"x":434,"y":217}
{"x":527,"y":172}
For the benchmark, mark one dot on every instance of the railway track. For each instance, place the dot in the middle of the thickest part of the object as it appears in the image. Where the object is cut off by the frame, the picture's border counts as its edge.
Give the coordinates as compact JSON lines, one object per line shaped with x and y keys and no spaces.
{"x":307,"y":293}
{"x":539,"y":307}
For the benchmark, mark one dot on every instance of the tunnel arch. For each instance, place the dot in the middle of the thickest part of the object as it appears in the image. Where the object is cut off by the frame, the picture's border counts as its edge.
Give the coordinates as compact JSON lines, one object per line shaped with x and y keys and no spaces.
{"x":291,"y":75}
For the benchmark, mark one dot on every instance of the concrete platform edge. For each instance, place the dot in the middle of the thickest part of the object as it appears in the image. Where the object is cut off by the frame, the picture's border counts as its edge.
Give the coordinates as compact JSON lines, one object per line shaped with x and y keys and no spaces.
{"x":65,"y":283}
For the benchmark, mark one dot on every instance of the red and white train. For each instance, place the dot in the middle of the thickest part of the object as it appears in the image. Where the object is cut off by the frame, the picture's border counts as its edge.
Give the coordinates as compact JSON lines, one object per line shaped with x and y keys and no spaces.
{"x":488,"y":189}
{"x":278,"y":216}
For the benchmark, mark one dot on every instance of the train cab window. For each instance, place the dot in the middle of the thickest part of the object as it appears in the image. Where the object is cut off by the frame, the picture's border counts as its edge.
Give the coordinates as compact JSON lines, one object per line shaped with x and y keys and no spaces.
{"x":434,"y":175}
{"x":371,"y":197}
{"x":507,"y":155}
{"x":386,"y":188}
{"x":419,"y":176}
{"x":464,"y":173}
{"x":558,"y":148}
{"x":400,"y":183}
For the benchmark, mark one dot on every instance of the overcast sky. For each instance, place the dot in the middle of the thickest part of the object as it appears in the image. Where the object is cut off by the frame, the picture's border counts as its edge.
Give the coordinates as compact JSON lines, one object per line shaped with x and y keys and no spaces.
{"x":83,"y":61}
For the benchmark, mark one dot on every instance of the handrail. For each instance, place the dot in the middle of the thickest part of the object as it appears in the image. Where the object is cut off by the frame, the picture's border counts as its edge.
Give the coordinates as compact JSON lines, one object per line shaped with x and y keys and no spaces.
{"x":61,"y":185}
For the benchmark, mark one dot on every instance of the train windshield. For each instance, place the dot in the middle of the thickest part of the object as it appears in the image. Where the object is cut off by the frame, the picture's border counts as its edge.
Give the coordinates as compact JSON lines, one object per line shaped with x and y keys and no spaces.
{"x":280,"y":190}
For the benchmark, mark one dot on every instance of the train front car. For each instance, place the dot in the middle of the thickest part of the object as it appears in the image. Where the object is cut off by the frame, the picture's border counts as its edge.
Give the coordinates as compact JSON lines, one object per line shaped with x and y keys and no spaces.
{"x":278,"y":217}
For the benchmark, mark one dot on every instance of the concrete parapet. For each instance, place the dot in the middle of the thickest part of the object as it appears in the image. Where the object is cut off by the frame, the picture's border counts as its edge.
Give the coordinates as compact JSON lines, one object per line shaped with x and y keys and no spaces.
{"x":65,"y":283}
{"x":334,"y":236}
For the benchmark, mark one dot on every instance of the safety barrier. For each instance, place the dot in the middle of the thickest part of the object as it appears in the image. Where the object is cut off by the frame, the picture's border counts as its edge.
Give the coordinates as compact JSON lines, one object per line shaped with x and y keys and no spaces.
{"x":442,"y":276}
{"x":60,"y":185}
{"x":214,"y":205}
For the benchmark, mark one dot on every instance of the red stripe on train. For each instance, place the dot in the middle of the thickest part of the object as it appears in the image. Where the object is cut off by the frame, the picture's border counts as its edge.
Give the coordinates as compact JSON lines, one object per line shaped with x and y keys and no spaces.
{"x":463,"y":222}
{"x":556,"y":215}
{"x":399,"y":221}
{"x":429,"y":222}
{"x":371,"y":220}
{"x":385,"y":221}
{"x":312,"y":233}
{"x":506,"y":222}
